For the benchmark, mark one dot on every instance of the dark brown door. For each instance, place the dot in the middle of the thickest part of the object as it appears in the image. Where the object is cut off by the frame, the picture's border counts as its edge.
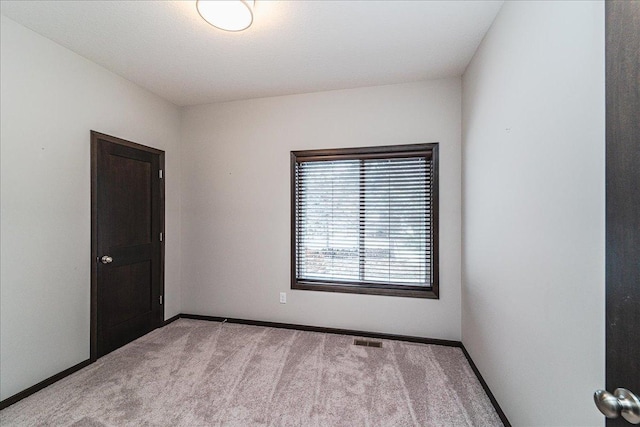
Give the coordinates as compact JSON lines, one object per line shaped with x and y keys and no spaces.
{"x":127,"y":222}
{"x":623,"y":198}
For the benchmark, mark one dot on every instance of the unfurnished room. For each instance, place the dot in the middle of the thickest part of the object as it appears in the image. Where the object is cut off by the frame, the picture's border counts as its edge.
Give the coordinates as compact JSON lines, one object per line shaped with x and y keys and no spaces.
{"x":320,"y":213}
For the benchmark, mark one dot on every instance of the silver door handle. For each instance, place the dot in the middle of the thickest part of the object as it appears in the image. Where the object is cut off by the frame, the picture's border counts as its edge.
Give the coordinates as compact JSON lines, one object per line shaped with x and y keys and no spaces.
{"x":621,"y":402}
{"x":106,"y":259}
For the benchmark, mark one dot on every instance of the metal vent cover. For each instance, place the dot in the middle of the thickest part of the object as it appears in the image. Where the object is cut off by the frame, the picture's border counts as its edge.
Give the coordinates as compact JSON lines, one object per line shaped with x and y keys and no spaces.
{"x":367,"y":343}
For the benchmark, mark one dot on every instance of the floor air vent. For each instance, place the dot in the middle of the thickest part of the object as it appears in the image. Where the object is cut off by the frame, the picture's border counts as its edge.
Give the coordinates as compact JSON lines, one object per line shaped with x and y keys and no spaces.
{"x":367,"y":343}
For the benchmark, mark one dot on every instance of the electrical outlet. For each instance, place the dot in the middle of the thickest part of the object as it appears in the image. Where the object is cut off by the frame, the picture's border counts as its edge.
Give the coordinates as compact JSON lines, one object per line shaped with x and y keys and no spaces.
{"x":283,"y":297}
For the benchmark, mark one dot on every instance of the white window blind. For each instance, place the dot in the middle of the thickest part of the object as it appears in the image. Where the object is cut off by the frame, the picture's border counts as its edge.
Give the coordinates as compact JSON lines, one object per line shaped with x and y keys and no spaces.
{"x":364,"y":220}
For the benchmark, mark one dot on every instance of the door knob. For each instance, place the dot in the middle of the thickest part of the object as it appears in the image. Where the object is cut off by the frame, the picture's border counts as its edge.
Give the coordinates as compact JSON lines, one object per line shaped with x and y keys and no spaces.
{"x":621,"y":402}
{"x":106,"y":259}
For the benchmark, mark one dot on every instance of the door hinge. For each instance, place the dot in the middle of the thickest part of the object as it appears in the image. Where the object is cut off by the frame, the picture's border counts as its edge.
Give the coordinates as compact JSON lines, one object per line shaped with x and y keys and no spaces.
{"x":160,"y":299}
{"x":160,"y":173}
{"x":161,"y":237}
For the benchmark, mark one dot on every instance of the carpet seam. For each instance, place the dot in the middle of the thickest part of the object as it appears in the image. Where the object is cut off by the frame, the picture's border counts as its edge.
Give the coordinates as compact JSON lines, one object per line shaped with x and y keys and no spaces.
{"x":239,"y":377}
{"x":404,"y":386}
{"x":280,"y":370}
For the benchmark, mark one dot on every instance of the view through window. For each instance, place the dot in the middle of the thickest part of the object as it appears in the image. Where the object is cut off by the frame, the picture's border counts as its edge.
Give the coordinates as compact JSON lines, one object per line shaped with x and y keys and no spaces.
{"x":365,"y":220}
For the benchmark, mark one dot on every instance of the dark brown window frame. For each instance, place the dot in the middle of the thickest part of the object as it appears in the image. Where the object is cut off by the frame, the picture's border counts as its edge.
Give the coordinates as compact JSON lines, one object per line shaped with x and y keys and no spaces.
{"x":429,"y":150}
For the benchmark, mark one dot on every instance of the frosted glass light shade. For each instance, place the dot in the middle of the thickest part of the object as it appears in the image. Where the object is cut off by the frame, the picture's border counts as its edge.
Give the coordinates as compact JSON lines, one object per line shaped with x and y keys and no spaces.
{"x":229,"y":15}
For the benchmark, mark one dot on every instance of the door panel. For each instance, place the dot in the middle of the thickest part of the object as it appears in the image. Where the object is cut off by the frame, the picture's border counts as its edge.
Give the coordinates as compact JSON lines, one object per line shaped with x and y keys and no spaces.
{"x":129,"y":182}
{"x":127,"y":219}
{"x":123,"y":302}
{"x":623,"y":198}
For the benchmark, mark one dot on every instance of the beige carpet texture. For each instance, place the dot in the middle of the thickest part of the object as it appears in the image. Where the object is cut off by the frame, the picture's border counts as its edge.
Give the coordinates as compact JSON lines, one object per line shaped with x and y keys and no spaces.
{"x":201,"y":373}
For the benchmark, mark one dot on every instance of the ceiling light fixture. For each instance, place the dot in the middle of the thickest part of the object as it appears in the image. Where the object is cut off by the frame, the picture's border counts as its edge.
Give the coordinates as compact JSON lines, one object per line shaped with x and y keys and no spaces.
{"x":229,"y":15}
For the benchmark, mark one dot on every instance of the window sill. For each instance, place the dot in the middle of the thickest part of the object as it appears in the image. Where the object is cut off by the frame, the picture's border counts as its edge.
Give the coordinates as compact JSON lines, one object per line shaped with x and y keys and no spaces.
{"x":412,"y":292}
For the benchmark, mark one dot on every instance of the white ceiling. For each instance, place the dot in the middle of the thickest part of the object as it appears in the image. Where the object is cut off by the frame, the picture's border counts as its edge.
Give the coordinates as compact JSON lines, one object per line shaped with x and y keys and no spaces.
{"x":292,"y":46}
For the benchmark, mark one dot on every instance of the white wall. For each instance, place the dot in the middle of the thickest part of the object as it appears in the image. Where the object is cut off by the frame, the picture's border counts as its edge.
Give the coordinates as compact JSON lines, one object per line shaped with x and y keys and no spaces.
{"x":50,"y":99}
{"x":533,"y":218}
{"x":236,"y":203}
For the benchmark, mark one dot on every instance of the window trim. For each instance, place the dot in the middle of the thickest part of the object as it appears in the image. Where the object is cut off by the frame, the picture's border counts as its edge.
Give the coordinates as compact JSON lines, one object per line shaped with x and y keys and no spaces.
{"x":389,"y":151}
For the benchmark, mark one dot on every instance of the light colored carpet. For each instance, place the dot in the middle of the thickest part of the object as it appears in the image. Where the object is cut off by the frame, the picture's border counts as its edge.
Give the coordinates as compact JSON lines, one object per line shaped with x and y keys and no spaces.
{"x":200,"y":373}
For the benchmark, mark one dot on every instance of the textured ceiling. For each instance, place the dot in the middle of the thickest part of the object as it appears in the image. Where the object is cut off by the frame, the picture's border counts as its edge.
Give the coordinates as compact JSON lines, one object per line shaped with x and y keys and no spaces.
{"x":292,"y":46}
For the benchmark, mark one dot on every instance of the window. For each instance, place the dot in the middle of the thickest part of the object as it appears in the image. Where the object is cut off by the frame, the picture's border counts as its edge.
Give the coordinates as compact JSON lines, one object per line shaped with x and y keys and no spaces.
{"x":365,"y":220}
